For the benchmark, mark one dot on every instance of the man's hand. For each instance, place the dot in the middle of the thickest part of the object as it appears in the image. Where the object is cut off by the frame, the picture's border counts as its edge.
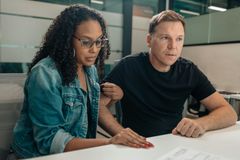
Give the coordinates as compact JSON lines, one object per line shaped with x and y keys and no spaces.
{"x":189,"y":128}
{"x":130,"y":138}
{"x":112,"y":91}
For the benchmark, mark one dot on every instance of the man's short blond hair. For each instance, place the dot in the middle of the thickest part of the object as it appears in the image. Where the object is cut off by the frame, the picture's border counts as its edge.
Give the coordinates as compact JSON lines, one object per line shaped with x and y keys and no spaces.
{"x":165,"y":16}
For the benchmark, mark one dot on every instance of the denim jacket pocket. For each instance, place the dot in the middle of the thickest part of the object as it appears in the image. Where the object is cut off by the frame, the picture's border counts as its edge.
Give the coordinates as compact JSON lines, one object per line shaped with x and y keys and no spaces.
{"x":73,"y":108}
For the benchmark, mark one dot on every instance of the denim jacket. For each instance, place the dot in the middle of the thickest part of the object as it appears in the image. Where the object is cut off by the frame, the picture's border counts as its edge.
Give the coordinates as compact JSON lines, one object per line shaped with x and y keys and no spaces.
{"x":53,"y":113}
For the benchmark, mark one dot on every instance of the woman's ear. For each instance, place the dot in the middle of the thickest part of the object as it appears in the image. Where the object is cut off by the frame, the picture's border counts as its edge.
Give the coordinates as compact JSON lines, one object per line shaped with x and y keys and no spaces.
{"x":149,"y":38}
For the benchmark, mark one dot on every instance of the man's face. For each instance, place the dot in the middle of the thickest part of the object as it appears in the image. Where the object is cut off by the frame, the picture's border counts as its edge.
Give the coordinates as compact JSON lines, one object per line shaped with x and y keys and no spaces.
{"x":165,"y":45}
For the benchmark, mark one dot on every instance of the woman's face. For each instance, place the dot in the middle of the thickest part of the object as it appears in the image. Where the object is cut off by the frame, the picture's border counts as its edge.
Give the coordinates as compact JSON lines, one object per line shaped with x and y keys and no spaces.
{"x":86,"y":51}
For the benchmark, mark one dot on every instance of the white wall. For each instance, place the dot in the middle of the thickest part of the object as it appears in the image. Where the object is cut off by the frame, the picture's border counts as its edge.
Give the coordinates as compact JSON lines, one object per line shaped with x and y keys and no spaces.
{"x":221,"y":64}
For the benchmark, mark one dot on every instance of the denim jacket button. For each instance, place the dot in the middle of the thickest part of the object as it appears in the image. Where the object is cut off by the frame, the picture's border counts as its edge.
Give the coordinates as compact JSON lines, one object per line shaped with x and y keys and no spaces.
{"x":69,"y":103}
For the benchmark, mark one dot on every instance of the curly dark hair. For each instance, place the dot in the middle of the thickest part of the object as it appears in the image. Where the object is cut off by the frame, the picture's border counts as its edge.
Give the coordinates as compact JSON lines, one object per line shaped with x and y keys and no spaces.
{"x":57,"y":42}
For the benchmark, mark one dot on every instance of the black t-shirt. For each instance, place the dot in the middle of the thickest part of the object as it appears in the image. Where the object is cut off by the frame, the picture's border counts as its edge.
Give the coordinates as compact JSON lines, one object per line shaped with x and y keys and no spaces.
{"x":153,"y":101}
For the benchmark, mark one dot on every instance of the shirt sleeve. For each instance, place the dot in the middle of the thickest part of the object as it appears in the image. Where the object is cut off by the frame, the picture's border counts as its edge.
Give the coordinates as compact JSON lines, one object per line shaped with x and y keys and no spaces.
{"x":45,"y":110}
{"x":203,"y":87}
{"x":117,"y":74}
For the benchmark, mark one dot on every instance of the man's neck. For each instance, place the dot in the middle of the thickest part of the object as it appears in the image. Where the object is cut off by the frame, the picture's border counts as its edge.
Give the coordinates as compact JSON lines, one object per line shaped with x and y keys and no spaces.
{"x":157,"y":65}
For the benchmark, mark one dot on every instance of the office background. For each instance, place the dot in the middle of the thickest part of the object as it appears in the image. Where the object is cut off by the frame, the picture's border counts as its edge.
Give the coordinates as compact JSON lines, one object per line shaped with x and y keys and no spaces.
{"x":212,"y":41}
{"x":212,"y":37}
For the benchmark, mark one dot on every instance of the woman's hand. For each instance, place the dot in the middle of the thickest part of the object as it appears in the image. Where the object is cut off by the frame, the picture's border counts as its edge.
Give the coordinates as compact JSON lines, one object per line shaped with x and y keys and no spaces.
{"x":112,"y":91}
{"x":130,"y":138}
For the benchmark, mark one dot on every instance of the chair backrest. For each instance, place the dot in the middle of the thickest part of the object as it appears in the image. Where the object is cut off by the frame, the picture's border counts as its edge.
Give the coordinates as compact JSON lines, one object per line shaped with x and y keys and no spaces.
{"x":195,"y":109}
{"x":9,"y":113}
{"x":11,"y":99}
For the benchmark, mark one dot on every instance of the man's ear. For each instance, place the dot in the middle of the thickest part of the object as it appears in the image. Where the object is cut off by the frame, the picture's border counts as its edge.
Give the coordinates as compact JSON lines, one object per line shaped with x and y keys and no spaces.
{"x":149,"y":39}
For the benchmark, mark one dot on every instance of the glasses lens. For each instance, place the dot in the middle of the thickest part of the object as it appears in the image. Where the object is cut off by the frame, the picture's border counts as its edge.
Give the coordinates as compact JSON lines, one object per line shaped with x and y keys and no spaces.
{"x":98,"y":43}
{"x":86,"y":43}
{"x":89,"y":43}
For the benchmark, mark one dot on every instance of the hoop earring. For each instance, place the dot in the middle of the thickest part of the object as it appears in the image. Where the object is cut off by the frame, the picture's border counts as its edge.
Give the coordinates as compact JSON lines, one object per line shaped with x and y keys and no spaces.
{"x":74,"y":52}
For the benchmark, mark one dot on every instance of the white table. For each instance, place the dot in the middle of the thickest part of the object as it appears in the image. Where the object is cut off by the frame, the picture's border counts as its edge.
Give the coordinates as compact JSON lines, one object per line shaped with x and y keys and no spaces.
{"x":224,"y":142}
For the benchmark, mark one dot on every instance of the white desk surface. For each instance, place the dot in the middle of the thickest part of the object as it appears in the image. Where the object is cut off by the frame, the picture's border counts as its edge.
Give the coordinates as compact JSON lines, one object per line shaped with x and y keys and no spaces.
{"x":224,"y":142}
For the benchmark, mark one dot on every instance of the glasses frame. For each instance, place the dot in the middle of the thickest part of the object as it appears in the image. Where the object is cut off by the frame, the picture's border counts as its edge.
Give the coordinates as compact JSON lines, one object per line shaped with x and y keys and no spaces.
{"x":103,"y":42}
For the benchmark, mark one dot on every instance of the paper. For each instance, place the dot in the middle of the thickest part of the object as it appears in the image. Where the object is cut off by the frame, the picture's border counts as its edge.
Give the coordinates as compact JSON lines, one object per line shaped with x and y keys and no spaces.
{"x":183,"y":153}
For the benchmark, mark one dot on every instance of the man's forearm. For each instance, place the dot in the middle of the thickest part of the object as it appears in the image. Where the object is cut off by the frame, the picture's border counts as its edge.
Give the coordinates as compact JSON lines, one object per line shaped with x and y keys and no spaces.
{"x":219,"y":118}
{"x":108,"y":122}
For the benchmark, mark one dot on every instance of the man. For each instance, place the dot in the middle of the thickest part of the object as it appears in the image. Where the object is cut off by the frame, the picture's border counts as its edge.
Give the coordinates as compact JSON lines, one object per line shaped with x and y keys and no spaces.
{"x":156,"y":85}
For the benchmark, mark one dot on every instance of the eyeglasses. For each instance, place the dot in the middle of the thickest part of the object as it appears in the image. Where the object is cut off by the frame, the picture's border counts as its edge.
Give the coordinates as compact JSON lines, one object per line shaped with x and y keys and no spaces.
{"x":88,"y":43}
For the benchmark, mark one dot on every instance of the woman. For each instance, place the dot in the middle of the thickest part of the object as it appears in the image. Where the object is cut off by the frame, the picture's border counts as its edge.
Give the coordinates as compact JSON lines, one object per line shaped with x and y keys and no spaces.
{"x":60,"y":110}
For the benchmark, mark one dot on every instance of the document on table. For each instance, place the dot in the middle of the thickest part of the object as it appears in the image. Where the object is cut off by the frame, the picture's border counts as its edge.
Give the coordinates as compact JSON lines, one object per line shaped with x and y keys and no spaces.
{"x":183,"y":153}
